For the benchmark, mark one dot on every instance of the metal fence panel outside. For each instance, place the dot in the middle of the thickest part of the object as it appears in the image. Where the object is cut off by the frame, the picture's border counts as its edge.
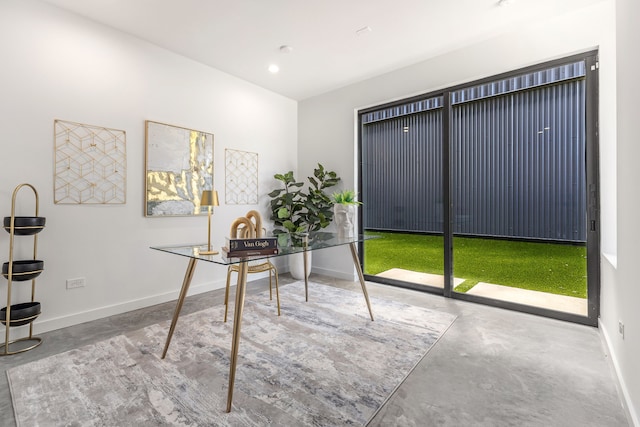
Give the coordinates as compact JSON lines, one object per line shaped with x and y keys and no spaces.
{"x":402,"y":173}
{"x":518,"y":165}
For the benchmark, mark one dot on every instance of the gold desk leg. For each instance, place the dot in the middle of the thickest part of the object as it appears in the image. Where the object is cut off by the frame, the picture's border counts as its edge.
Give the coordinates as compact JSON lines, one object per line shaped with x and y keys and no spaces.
{"x":226,"y":294}
{"x":183,"y":293}
{"x":306,"y":278}
{"x":356,"y":261}
{"x":237,"y":320}
{"x":277,"y":291}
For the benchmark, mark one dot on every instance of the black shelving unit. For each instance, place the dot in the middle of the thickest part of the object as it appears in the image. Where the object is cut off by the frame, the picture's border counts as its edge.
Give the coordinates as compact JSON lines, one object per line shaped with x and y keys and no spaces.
{"x":23,"y":313}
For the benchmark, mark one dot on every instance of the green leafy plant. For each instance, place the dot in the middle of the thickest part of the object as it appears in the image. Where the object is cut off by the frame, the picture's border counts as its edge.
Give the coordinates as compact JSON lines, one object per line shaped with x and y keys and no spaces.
{"x":319,"y":207}
{"x":286,"y":204}
{"x":296,"y":211}
{"x":345,"y":197}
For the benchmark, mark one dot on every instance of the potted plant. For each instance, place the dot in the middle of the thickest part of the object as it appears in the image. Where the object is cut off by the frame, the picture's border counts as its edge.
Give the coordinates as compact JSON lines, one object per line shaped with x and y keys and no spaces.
{"x":344,"y":209}
{"x":296,"y":212}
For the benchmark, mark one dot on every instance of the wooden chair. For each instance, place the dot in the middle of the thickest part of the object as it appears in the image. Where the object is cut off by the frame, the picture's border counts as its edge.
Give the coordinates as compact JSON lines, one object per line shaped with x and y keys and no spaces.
{"x":250,"y":226}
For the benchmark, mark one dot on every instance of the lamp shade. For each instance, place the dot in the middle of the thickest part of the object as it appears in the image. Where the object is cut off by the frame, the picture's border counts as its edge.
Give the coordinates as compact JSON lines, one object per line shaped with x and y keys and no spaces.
{"x":209,"y":198}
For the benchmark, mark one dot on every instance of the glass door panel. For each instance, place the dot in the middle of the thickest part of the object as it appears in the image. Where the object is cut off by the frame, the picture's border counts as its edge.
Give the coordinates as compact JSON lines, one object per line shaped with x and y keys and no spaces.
{"x":519,"y":196}
{"x":402,"y":189}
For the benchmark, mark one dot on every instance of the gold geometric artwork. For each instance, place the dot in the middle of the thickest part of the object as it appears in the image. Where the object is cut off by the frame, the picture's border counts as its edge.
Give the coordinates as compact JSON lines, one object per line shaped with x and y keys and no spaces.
{"x":241,"y":177}
{"x":90,"y":164}
{"x":179,"y":166}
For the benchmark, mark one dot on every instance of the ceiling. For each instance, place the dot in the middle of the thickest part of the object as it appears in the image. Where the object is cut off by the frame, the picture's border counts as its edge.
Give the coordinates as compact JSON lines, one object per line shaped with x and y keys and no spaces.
{"x":243,"y":37}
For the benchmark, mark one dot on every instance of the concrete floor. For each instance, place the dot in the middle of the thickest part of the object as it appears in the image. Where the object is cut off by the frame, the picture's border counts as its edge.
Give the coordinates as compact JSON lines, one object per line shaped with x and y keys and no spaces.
{"x":493,"y":367}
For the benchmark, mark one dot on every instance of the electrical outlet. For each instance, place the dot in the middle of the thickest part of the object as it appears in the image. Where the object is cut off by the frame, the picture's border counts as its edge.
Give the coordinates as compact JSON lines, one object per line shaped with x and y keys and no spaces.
{"x":75,"y":283}
{"x":621,"y":328}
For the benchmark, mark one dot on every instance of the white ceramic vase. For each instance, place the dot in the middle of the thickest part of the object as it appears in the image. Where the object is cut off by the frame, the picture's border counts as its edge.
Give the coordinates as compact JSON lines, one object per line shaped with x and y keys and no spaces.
{"x":344,"y":217}
{"x":296,"y":265}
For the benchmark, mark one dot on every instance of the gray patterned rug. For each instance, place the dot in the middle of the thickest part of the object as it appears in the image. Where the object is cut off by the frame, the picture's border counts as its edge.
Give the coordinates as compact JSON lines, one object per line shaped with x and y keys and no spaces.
{"x":322,"y":363}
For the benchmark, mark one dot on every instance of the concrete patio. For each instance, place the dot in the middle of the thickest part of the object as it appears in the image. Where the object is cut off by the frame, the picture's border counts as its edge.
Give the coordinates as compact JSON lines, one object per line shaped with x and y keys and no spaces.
{"x":555,"y":302}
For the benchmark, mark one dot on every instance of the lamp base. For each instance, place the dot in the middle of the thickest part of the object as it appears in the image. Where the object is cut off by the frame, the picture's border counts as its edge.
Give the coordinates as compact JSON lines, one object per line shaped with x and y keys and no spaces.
{"x":209,"y":252}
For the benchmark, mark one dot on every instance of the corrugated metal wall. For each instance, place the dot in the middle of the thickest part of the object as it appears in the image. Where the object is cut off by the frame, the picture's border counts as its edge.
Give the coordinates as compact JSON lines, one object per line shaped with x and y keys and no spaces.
{"x":519,"y":164}
{"x":402,"y":173}
{"x":518,"y":160}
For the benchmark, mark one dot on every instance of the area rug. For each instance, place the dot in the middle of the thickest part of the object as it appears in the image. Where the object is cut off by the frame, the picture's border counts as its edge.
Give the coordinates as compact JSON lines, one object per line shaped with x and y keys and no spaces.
{"x":321,"y":363}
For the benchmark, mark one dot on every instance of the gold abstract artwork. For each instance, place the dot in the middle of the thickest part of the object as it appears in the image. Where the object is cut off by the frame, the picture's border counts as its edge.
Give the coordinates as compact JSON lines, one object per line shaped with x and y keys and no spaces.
{"x":241,"y":177}
{"x":90,"y":164}
{"x":179,"y":165}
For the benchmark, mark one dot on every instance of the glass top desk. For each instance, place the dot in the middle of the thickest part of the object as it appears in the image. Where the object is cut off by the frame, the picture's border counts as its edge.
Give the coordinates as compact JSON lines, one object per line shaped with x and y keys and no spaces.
{"x":311,"y":242}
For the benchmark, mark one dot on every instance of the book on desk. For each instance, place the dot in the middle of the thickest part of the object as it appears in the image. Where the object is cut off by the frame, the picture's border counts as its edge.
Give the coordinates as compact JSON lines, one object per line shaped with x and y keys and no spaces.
{"x":237,"y":248}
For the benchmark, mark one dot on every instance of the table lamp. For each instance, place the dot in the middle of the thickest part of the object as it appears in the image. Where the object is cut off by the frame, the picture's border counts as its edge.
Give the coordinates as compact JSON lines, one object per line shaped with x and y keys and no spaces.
{"x":209,"y":198}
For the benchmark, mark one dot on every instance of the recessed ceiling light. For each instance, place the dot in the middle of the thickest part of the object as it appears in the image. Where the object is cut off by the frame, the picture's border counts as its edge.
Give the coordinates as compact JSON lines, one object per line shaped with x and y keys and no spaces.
{"x":504,"y":2}
{"x":273,"y":68}
{"x":285,"y":49}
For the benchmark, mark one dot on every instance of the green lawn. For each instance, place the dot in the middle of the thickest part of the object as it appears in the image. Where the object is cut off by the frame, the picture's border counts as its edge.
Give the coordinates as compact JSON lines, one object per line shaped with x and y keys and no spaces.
{"x":547,"y":267}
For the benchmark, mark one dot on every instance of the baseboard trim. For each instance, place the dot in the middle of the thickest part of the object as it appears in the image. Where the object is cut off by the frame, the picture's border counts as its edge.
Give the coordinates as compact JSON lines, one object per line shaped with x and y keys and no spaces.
{"x":60,"y":322}
{"x":353,"y":277}
{"x":627,"y":404}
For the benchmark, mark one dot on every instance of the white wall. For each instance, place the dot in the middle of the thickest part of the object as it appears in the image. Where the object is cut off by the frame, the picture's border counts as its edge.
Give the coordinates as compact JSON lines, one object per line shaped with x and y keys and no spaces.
{"x":57,"y":65}
{"x":620,"y":290}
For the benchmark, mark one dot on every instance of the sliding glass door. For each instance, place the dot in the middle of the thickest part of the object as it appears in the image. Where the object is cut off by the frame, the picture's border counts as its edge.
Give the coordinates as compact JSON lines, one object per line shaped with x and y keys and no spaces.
{"x":518,"y":149}
{"x":488,"y":191}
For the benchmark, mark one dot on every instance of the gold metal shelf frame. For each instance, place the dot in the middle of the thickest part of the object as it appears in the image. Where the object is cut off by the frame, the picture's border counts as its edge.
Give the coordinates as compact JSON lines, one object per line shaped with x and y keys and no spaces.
{"x":36,"y":340}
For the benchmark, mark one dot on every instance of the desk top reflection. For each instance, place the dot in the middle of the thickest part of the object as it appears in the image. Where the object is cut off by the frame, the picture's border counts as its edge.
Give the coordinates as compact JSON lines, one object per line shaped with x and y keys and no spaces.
{"x":294,"y":244}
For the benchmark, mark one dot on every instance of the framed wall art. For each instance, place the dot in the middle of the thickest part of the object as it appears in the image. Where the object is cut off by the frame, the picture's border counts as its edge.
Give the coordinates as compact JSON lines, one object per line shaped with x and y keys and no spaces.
{"x":90,"y":164}
{"x":179,"y":166}
{"x":241,"y":176}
